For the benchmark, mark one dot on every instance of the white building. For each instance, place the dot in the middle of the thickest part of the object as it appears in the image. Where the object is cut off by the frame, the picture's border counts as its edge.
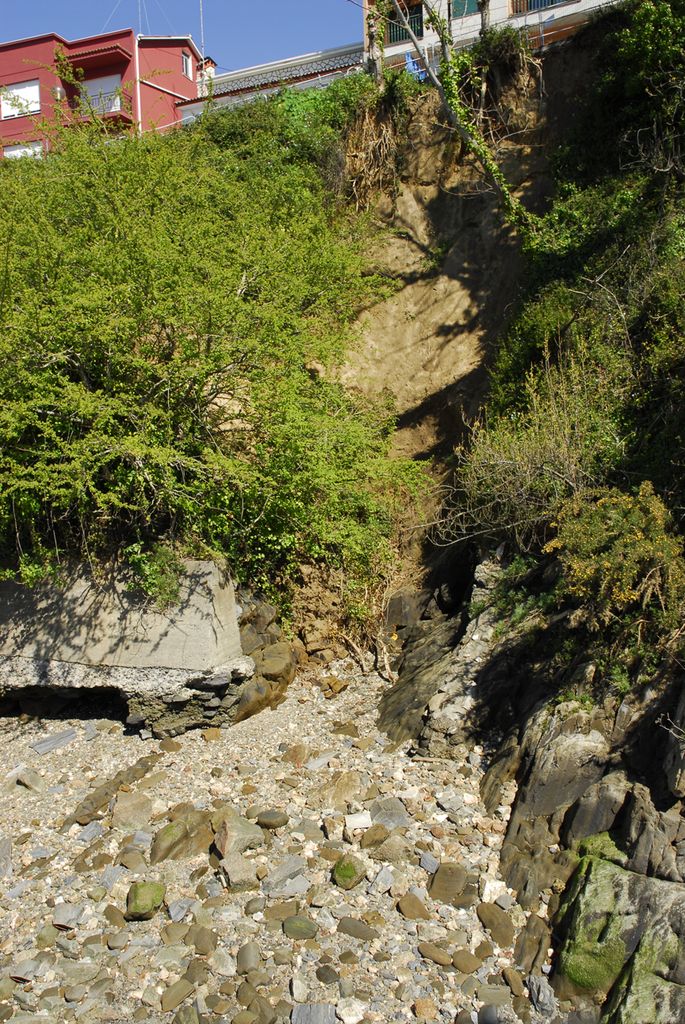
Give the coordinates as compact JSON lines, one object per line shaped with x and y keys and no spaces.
{"x":545,"y":21}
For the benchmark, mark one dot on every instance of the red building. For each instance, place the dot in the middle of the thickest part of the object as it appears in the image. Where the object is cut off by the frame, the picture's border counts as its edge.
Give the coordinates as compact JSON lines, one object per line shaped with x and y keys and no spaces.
{"x":129,"y":79}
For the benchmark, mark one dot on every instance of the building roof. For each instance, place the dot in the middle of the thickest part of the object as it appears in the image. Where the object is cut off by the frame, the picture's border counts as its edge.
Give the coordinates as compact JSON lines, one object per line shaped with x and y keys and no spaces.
{"x":262,"y":75}
{"x":103,"y":35}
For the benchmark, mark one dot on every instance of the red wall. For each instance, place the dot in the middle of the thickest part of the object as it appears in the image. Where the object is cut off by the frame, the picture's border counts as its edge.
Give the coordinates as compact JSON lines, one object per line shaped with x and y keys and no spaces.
{"x":161,"y":66}
{"x":162,"y":82}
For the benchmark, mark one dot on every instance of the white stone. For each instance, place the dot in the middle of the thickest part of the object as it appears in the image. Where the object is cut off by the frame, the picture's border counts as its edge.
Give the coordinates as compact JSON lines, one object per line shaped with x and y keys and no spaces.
{"x":350,"y":1011}
{"x":298,"y":989}
{"x":362,"y":819}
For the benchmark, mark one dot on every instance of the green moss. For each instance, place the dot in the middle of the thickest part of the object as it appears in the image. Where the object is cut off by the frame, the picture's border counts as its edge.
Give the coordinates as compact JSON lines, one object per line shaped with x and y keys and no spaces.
{"x":348,"y":872}
{"x":601,"y":845}
{"x":594,"y":952}
{"x":593,"y":966}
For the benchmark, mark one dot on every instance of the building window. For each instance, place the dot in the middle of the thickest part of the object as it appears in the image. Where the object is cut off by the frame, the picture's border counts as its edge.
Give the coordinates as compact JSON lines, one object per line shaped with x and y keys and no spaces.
{"x":34,"y":149}
{"x":462,"y":8}
{"x":187,"y":65}
{"x":20,"y":99}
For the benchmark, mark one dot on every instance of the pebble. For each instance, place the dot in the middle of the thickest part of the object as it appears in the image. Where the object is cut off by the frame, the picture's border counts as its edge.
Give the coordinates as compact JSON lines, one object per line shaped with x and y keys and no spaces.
{"x":272,"y":819}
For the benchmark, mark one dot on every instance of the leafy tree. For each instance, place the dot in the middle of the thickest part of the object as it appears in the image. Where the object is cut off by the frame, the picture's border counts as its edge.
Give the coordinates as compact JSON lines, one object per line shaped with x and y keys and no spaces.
{"x":172,"y":308}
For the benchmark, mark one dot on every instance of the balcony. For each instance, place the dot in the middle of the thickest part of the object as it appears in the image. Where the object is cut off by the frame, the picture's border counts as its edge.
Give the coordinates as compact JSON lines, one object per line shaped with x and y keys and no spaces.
{"x":532,"y":6}
{"x":397,"y":33}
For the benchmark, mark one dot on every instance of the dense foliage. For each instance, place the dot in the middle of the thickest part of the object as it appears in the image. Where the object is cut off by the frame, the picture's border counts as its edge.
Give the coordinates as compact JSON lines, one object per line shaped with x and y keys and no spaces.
{"x":581,"y":449}
{"x":169,"y":306}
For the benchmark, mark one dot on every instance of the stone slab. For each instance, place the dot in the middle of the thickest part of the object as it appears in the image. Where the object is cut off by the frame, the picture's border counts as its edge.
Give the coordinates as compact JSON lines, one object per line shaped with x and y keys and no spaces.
{"x":101,"y":623}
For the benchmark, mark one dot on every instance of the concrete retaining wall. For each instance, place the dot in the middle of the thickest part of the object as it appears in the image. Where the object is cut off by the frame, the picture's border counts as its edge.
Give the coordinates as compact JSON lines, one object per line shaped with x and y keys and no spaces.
{"x":101,"y":623}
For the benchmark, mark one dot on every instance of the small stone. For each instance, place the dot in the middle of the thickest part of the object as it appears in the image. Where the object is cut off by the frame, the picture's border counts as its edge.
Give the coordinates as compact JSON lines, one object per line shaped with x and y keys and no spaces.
{"x":498,"y":923}
{"x":327,"y":975}
{"x":204,"y":940}
{"x":118,"y":940}
{"x":31,"y":780}
{"x":211,"y":735}
{"x":248,"y":958}
{"x":374,"y":836}
{"x":542,"y":995}
{"x":176,"y":993}
{"x":383,"y":882}
{"x":254,"y":906}
{"x":54,"y":742}
{"x":348,"y":872}
{"x":513,"y":980}
{"x":299,"y":927}
{"x":66,"y":916}
{"x":313,"y":1013}
{"x":131,"y":811}
{"x":114,"y":915}
{"x":5,"y":856}
{"x":46,"y":936}
{"x":170,"y":746}
{"x":272,"y":819}
{"x":240,"y":872}
{"x":391,"y":812}
{"x":448,"y":882}
{"x":465,"y":961}
{"x":412,"y":908}
{"x":425,"y":1009}
{"x":235,"y":834}
{"x":298,"y":989}
{"x":429,"y":951}
{"x":187,"y":1015}
{"x":75,"y":993}
{"x":246,"y":993}
{"x":357,"y":929}
{"x":350,"y":1010}
{"x":245,"y":1017}
{"x":144,"y":900}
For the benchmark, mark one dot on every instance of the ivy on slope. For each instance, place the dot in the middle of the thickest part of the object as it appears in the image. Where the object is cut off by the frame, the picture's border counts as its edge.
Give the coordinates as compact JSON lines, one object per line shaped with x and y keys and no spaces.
{"x":167,"y":304}
{"x":581,"y":451}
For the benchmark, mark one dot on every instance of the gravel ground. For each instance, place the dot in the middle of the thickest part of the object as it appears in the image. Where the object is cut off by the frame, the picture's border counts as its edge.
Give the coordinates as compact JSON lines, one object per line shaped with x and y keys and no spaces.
{"x":352,"y":884}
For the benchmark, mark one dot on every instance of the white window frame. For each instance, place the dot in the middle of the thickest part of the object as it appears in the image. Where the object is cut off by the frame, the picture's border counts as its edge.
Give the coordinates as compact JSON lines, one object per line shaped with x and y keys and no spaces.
{"x":187,"y":64}
{"x":19,"y":150}
{"x":20,"y":99}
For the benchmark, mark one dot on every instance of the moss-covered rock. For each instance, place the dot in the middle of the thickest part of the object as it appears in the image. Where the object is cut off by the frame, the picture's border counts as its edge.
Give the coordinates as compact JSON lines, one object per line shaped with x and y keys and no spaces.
{"x":144,"y":900}
{"x":348,"y":872}
{"x":623,"y":937}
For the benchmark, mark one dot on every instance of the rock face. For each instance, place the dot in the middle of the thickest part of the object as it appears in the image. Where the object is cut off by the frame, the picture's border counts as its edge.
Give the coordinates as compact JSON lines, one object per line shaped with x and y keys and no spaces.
{"x":623,"y":939}
{"x":438,"y":675}
{"x":176,"y":669}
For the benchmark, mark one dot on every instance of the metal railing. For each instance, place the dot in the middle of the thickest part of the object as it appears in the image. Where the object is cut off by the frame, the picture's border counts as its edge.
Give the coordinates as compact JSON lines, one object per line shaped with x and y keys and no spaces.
{"x":104,"y":102}
{"x":397,"y":33}
{"x":532,"y":6}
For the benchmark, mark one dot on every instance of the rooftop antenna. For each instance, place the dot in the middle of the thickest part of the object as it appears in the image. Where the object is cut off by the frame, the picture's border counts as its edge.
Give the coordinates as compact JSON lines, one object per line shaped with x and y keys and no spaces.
{"x":140,"y":19}
{"x":202,"y":31}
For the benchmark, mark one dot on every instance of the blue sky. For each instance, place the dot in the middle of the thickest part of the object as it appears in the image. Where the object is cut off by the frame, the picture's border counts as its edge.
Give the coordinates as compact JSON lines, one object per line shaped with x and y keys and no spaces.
{"x":238,"y":33}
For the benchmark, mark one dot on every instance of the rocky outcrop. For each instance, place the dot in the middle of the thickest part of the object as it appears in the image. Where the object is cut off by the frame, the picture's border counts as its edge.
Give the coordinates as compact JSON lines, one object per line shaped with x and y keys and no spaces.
{"x":438,"y":669}
{"x":623,"y":942}
{"x":595,"y":844}
{"x":176,"y":669}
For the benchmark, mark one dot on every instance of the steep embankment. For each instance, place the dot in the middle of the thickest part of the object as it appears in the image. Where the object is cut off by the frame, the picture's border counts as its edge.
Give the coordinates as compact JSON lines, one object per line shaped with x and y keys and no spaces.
{"x":457,"y":267}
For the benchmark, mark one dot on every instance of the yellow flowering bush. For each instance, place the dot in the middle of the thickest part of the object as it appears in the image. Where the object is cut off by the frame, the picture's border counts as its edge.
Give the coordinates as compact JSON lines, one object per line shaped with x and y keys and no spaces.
{"x":619,"y":554}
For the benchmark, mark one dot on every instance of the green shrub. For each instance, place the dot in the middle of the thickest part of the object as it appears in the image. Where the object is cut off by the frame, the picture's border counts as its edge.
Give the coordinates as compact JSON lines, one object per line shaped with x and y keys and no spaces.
{"x":519,"y":468}
{"x":619,"y":556}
